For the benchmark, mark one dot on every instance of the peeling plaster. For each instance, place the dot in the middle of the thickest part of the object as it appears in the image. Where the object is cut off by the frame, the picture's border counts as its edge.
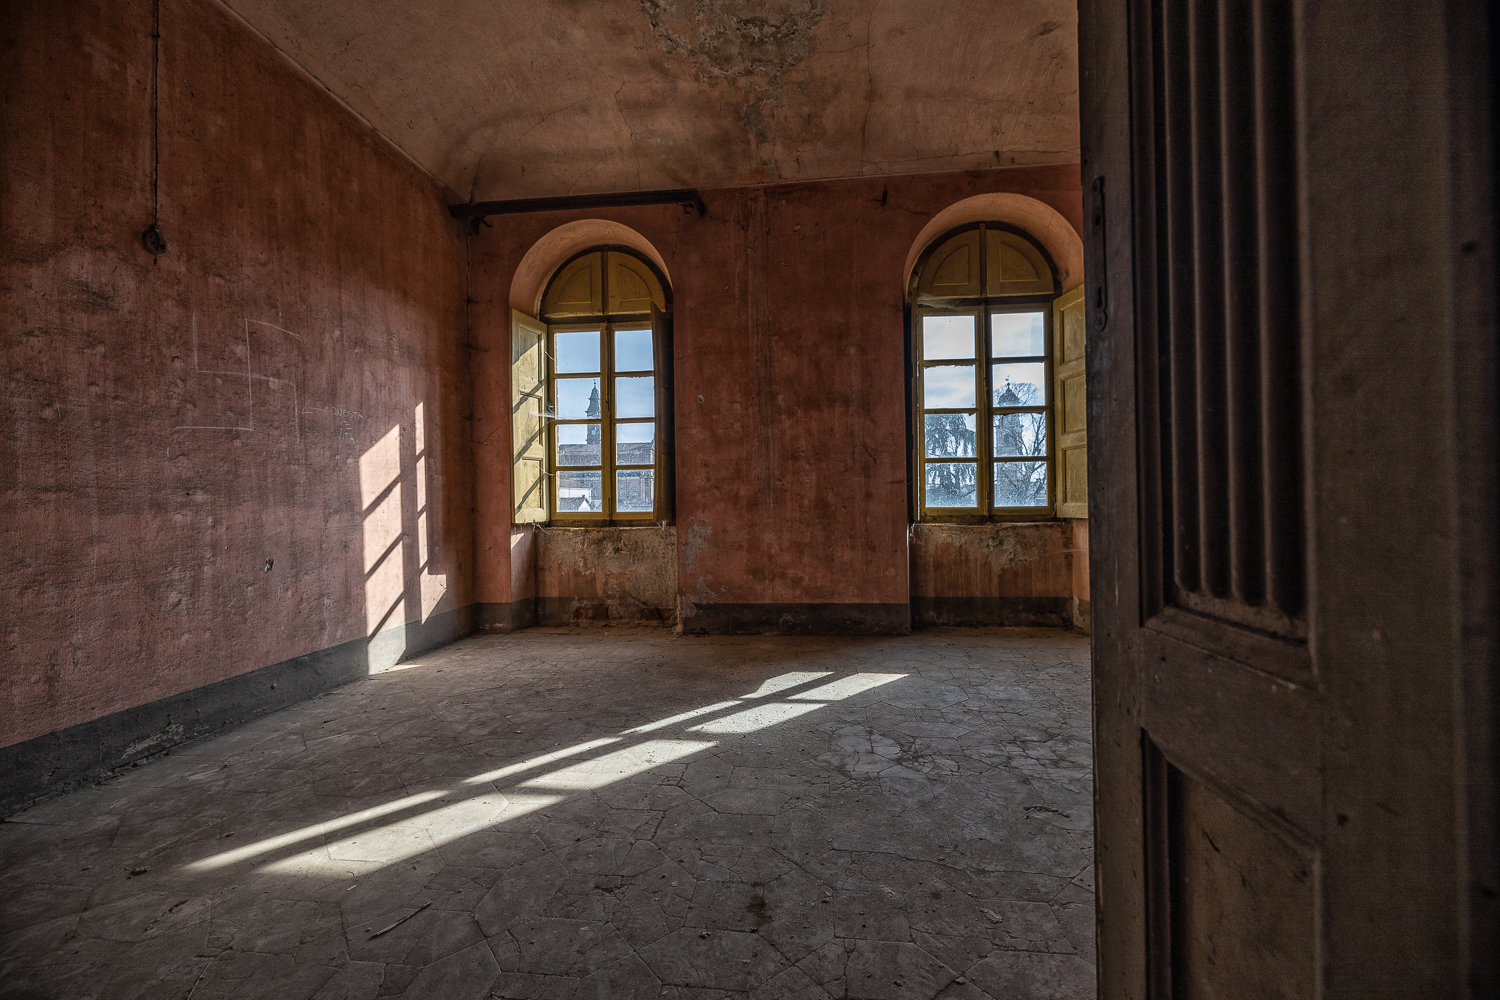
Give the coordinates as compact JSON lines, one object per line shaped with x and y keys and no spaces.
{"x":697,"y":541}
{"x":743,"y":41}
{"x":737,"y":38}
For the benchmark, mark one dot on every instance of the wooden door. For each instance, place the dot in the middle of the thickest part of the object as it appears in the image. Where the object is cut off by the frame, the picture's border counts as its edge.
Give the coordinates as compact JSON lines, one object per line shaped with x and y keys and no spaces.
{"x":1292,"y":472}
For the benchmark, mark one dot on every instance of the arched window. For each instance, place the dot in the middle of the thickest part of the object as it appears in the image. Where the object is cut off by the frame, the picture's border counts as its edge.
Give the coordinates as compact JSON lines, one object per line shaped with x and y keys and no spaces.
{"x":982,"y":333}
{"x":607,"y":405}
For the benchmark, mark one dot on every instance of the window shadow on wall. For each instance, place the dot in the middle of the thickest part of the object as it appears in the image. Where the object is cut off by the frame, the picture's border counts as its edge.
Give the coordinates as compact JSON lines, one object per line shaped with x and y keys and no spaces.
{"x":399,"y":482}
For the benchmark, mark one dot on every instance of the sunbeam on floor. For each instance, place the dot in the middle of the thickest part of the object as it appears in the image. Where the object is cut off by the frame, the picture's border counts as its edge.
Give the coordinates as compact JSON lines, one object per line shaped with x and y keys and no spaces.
{"x":595,"y":813}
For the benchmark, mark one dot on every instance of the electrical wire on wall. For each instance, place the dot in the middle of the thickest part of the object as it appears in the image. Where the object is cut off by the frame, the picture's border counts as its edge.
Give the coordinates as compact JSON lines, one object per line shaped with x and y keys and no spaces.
{"x":151,"y":238}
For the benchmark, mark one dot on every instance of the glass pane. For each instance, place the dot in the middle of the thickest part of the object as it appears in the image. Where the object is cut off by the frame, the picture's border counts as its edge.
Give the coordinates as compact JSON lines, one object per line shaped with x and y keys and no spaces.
{"x":635,"y":444}
{"x":950,"y":435}
{"x":633,"y":351}
{"x":635,"y":397}
{"x":1019,"y":383}
{"x":952,"y":484}
{"x":1020,"y":484}
{"x":635,"y":490}
{"x":1020,"y":434}
{"x":577,"y":398}
{"x":945,"y":337}
{"x":577,"y":352}
{"x":580,"y":492}
{"x":948,"y":387}
{"x":578,"y":444}
{"x":1017,"y":335}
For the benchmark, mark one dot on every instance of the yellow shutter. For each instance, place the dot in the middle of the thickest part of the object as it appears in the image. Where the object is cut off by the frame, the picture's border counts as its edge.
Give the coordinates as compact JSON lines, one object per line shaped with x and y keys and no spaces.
{"x":528,"y":387}
{"x":1013,"y":266}
{"x":952,"y":270}
{"x":632,"y":286}
{"x":1071,"y":412}
{"x":577,"y":289}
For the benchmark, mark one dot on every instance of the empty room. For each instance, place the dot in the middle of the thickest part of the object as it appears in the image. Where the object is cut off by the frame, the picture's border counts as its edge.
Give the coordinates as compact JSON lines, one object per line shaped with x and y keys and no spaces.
{"x":706,"y":499}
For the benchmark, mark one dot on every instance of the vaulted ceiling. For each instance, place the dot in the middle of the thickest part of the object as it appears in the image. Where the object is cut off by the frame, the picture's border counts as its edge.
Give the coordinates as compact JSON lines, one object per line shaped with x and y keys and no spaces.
{"x":528,"y":98}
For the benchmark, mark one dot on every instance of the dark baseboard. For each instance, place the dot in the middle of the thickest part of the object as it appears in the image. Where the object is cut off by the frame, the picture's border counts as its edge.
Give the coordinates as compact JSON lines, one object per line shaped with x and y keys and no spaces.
{"x":88,"y":752}
{"x":506,"y":618}
{"x":492,"y":617}
{"x":598,"y":610}
{"x":796,"y":619}
{"x":988,"y":612}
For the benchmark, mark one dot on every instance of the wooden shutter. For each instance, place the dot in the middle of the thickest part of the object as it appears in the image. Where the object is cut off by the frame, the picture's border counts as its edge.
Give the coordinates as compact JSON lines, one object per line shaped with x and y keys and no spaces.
{"x":666,"y":447}
{"x":952,"y":270}
{"x":528,"y":388}
{"x":632,"y":286}
{"x":1070,"y":411}
{"x":577,"y":289}
{"x":1012,"y":266}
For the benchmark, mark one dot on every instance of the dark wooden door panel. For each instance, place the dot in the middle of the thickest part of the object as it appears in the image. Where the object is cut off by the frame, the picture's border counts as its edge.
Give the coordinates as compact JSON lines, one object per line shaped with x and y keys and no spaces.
{"x":1227,"y":684}
{"x":1248,"y":730}
{"x":1237,"y":904}
{"x":1283,"y":619}
{"x":1222,"y":337}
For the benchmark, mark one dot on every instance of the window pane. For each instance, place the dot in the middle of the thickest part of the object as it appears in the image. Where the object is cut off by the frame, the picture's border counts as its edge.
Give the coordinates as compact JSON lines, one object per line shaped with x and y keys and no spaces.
{"x":1020,"y":484}
{"x":1018,"y":335}
{"x":948,"y":387}
{"x":1020,"y":434}
{"x":952,"y":484}
{"x":577,"y":352}
{"x":1019,"y":384}
{"x":578,"y":444}
{"x":635,"y":397}
{"x":635,"y":444}
{"x":635,"y":490}
{"x":950,"y":435}
{"x":577,"y":398}
{"x":945,"y":337}
{"x":633,"y":351}
{"x":580,"y":492}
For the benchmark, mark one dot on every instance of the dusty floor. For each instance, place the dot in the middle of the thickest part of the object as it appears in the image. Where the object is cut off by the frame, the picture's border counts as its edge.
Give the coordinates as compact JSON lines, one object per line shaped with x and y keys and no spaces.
{"x":594,"y":814}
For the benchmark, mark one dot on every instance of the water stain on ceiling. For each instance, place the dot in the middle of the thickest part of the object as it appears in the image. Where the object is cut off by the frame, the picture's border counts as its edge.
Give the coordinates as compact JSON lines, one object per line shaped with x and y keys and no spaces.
{"x":736,"y":39}
{"x":523,"y":98}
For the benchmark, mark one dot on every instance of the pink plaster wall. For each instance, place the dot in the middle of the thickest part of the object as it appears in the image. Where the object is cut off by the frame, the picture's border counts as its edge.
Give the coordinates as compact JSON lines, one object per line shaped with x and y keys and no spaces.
{"x":1080,"y":558}
{"x":312,"y":294}
{"x":792,"y":471}
{"x":1082,"y":609}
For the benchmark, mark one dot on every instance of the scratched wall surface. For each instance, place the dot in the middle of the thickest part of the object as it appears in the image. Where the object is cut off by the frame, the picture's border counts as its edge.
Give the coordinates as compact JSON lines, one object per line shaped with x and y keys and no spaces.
{"x":252,"y":447}
{"x":606,"y":575}
{"x":792,"y":468}
{"x":994,"y":574}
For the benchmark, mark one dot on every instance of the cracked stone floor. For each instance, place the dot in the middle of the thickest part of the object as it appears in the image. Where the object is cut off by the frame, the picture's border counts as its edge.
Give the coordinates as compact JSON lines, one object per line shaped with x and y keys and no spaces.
{"x":595,"y":813}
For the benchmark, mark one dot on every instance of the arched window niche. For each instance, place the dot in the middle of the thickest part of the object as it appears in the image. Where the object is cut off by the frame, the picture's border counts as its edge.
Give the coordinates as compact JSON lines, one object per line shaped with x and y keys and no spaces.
{"x":990,"y":331}
{"x":592,"y":394}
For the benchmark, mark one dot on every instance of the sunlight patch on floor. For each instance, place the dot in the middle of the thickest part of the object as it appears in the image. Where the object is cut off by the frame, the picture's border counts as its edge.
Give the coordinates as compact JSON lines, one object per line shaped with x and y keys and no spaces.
{"x":469,"y":808}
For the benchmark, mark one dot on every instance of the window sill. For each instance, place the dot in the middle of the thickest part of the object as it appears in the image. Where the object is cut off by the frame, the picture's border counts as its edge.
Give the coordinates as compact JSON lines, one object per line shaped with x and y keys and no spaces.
{"x":604,"y":523}
{"x":981,"y":519}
